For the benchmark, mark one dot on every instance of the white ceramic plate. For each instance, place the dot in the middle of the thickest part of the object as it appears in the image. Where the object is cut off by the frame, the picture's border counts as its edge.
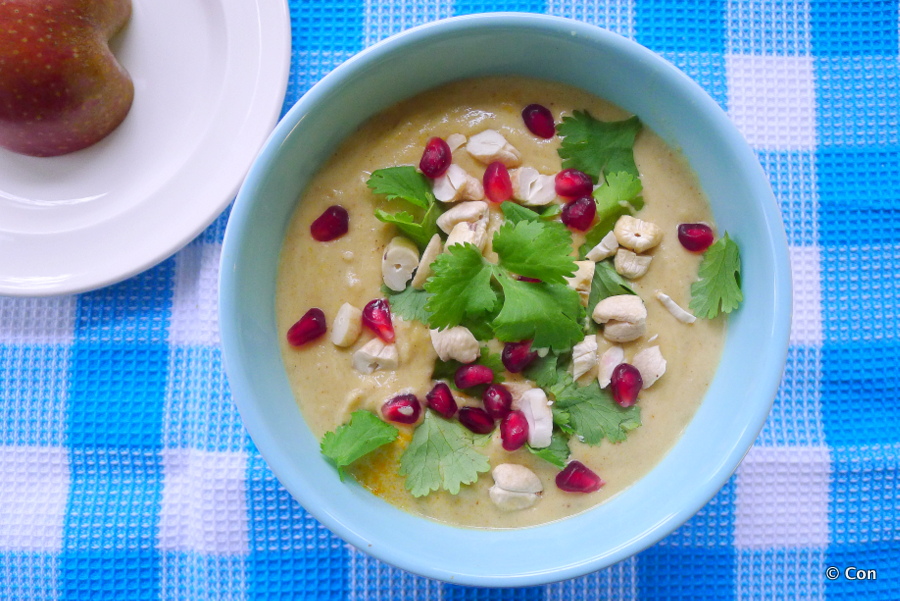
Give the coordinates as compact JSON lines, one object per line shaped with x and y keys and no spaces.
{"x":210,"y":78}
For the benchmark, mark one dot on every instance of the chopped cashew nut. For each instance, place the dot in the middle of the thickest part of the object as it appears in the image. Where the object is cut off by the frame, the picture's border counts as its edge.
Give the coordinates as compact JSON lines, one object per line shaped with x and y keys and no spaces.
{"x":532,"y":188}
{"x":456,"y":184}
{"x":630,"y":265}
{"x":534,"y":405}
{"x":375,"y":355}
{"x":346,"y":326}
{"x":462,"y":232}
{"x":580,"y":281}
{"x":431,"y":252}
{"x":625,"y":317}
{"x":455,"y":343}
{"x":470,"y":211}
{"x":605,"y":249}
{"x":636,"y":234}
{"x":651,"y":364}
{"x":454,"y":141}
{"x":490,"y":145}
{"x":584,"y":356}
{"x":400,"y":259}
{"x":674,"y":308}
{"x":610,"y":358}
{"x":515,"y":487}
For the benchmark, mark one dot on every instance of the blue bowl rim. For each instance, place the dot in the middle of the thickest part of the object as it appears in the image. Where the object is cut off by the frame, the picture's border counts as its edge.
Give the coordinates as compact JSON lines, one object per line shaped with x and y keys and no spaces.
{"x":230,"y":292}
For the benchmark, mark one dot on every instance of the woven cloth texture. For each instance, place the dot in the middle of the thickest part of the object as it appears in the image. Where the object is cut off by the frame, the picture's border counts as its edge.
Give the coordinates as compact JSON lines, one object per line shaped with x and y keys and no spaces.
{"x":125,"y":472}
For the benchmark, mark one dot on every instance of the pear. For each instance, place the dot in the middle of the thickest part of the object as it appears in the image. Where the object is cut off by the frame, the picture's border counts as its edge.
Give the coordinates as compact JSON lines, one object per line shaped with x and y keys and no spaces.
{"x":61,"y":88}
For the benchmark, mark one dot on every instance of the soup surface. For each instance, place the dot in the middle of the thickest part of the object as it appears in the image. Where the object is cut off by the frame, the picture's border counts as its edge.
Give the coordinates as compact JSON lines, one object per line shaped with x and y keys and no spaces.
{"x":348,"y":270}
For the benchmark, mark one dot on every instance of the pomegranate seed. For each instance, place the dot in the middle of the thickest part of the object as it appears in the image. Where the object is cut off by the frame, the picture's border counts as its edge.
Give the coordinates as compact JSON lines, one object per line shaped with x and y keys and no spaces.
{"x":376,"y":316}
{"x":517,"y":356}
{"x":539,"y":121}
{"x":523,"y":278}
{"x":696,"y":237}
{"x":477,"y":420}
{"x":436,"y":158}
{"x":625,"y":384}
{"x":577,"y":477}
{"x":331,"y":224}
{"x":441,"y":400}
{"x":572,"y":183}
{"x":497,"y":400}
{"x":497,"y":185}
{"x":514,"y":430}
{"x":468,"y":376}
{"x":309,"y":327}
{"x":403,"y":409}
{"x":579,"y":214}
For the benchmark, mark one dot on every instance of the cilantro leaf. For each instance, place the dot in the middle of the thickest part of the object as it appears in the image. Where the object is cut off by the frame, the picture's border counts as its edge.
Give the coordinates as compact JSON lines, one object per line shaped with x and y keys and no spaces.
{"x":402,"y":182}
{"x":719,"y":287}
{"x":536,"y":250}
{"x":460,"y":286}
{"x":408,"y":304}
{"x":405,"y":183}
{"x":440,"y":455}
{"x":364,"y":433}
{"x":548,"y":314}
{"x":618,"y":195}
{"x":598,"y":147}
{"x":558,"y":451}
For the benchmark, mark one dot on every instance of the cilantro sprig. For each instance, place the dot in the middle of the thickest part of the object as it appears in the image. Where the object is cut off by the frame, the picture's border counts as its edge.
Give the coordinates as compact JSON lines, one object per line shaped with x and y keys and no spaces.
{"x":598,"y":147}
{"x":619,"y":195}
{"x":719,"y":287}
{"x":364,"y":433}
{"x":407,"y":184}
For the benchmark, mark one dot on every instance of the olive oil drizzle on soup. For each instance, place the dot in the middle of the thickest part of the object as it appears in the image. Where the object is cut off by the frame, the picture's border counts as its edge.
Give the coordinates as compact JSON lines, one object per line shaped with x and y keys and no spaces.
{"x":348,"y":270}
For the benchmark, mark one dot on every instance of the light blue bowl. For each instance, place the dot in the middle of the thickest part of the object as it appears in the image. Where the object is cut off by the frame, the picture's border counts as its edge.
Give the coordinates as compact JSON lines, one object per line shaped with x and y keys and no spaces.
{"x":609,"y":66}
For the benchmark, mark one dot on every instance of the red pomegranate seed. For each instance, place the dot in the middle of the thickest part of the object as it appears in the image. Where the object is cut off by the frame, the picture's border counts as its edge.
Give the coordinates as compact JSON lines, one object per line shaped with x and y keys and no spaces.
{"x":577,"y":477}
{"x":516,"y":356}
{"x":403,"y":409}
{"x":308,"y":328}
{"x":497,"y":185}
{"x":331,"y":224}
{"x":497,"y":400}
{"x":523,"y":278}
{"x":468,"y":376}
{"x":436,"y":158}
{"x":625,"y":384}
{"x":696,"y":237}
{"x":376,"y":316}
{"x":441,"y":400}
{"x":539,"y":121}
{"x":477,"y":420}
{"x":572,"y":183}
{"x":579,"y":214}
{"x":514,"y":430}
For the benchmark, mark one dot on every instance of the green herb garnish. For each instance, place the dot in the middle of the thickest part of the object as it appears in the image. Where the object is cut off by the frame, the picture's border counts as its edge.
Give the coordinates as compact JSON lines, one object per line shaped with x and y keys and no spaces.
{"x":598,"y":147}
{"x":405,"y":183}
{"x":719,"y":287}
{"x":364,"y":433}
{"x":558,"y":451}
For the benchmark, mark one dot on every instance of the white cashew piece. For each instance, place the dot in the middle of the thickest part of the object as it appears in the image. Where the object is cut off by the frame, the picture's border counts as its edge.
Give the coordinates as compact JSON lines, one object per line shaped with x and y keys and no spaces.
{"x":400,"y":259}
{"x":651,"y":364}
{"x":531,"y":187}
{"x":464,"y":231}
{"x":346,"y":326}
{"x":674,"y":308}
{"x":431,"y":252}
{"x":609,"y":360}
{"x":625,"y":317}
{"x":375,"y":355}
{"x":580,"y":281}
{"x":455,"y":343}
{"x":456,"y":184}
{"x":584,"y":356}
{"x":606,"y":248}
{"x":630,"y":265}
{"x":469,"y":211}
{"x":636,"y":234}
{"x":534,"y":405}
{"x":515,"y":487}
{"x":490,"y":145}
{"x":454,"y":141}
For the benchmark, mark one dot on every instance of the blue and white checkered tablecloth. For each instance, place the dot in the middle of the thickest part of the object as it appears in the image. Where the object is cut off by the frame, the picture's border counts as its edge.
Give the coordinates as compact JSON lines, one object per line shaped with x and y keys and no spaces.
{"x":125,"y":472}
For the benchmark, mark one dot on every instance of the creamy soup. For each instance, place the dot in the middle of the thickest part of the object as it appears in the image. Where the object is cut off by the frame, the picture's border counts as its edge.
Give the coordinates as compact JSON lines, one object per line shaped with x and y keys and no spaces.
{"x":348,"y":270}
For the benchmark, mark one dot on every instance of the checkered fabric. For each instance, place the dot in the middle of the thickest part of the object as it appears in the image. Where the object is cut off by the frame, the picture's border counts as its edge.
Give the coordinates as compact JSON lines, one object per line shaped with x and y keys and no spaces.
{"x":125,"y":472}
